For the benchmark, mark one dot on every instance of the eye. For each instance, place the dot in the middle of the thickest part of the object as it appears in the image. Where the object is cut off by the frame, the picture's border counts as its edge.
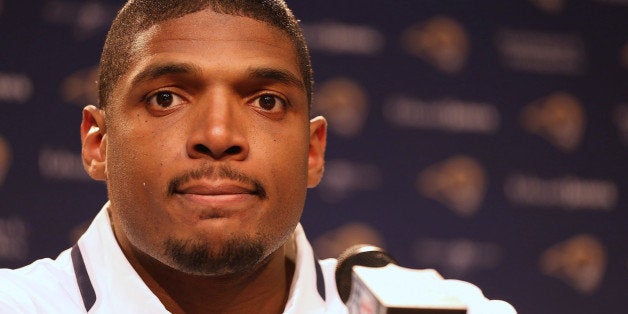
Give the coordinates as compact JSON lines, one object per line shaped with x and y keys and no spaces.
{"x":270,"y":103}
{"x":164,"y":100}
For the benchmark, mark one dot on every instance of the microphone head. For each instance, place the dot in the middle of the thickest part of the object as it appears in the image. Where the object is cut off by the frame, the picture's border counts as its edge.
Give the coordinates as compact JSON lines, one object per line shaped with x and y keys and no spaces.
{"x":358,"y":255}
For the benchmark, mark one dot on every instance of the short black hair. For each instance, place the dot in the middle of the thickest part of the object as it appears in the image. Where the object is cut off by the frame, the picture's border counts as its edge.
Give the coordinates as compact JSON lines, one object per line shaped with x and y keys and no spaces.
{"x":139,"y":15}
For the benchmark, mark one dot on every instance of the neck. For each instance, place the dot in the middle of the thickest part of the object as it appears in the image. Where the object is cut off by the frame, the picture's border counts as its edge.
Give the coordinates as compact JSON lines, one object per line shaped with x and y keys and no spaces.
{"x":264,"y":289}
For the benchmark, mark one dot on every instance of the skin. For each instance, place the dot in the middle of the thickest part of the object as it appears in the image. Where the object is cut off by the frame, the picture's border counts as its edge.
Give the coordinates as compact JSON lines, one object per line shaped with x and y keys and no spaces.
{"x":230,"y":97}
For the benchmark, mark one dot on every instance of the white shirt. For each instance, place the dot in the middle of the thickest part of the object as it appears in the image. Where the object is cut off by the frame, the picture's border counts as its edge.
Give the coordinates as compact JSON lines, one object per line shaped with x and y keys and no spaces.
{"x":109,"y":284}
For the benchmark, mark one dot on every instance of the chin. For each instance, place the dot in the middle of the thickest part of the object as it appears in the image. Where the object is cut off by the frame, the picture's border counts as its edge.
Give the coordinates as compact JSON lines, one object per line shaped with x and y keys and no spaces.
{"x":236,"y":255}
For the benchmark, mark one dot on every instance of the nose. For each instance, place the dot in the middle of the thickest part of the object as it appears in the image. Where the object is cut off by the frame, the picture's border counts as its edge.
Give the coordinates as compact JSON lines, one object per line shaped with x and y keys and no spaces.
{"x":217,"y":130}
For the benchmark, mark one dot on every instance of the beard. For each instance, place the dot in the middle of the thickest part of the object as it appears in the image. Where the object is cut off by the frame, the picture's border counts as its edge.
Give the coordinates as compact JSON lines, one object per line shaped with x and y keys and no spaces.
{"x":197,"y":258}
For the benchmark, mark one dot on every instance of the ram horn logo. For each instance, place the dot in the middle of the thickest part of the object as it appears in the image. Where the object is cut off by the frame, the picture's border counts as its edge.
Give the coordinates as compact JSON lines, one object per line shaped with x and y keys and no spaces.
{"x":344,"y":103}
{"x":5,"y":158}
{"x":559,"y":118}
{"x":334,"y":242}
{"x":458,"y":182}
{"x":579,"y":262}
{"x":441,"y":41}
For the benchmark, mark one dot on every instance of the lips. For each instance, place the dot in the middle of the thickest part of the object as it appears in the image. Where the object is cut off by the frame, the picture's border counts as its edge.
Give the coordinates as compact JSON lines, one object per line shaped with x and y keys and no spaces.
{"x":215,"y":199}
{"x":215,"y":189}
{"x":216,"y":181}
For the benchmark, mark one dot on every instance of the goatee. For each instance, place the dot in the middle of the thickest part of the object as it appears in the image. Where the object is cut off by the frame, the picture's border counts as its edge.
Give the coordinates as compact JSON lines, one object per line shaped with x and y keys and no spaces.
{"x":196,"y":258}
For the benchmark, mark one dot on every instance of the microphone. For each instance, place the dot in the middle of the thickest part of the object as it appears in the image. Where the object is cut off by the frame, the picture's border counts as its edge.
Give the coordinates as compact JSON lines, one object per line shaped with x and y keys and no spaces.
{"x":358,"y":255}
{"x":377,"y":285}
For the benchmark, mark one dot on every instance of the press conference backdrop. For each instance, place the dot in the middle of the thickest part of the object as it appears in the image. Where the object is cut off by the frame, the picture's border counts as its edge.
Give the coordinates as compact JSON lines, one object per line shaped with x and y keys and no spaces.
{"x":486,"y":139}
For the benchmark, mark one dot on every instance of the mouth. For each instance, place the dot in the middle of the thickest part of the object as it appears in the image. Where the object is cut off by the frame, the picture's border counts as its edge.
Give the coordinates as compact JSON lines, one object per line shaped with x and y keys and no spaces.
{"x":217,"y":199}
{"x":216,"y":189}
{"x":216,"y":183}
{"x":215,"y":193}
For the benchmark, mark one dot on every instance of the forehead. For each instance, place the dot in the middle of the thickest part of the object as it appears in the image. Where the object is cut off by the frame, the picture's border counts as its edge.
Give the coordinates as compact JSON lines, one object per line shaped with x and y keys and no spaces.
{"x":208,"y":34}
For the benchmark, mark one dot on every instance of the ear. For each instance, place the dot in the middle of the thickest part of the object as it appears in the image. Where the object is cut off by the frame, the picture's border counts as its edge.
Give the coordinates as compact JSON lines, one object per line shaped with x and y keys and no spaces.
{"x":94,"y":142}
{"x":316,"y":157}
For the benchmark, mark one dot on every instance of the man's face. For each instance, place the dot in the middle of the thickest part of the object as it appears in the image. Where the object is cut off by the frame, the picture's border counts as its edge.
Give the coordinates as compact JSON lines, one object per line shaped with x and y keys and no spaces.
{"x":206,"y":145}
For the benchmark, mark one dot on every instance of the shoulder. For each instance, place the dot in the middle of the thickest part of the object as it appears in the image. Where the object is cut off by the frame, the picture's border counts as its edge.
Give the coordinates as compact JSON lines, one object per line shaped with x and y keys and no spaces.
{"x":46,"y":285}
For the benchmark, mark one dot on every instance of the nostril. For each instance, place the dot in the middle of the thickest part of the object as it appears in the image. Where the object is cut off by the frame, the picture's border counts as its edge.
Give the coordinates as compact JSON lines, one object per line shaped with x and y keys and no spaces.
{"x":233,"y":150}
{"x":202,"y":149}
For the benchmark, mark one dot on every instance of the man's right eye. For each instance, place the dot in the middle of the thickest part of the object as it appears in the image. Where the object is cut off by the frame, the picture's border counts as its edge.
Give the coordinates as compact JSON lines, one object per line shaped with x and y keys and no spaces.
{"x":164,"y":100}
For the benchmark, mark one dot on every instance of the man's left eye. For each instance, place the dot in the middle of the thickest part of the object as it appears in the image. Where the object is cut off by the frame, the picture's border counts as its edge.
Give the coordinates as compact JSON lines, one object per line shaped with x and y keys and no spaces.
{"x":269,"y":102}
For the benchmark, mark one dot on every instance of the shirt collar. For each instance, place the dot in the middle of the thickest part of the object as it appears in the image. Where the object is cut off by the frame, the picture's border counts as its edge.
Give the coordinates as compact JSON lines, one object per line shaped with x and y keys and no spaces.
{"x":119,"y":288}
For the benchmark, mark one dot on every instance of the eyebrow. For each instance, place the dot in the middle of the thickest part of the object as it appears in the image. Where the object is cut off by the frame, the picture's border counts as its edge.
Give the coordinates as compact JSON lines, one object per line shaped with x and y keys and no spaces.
{"x":155,"y":71}
{"x":277,"y":75}
{"x":158,"y":70}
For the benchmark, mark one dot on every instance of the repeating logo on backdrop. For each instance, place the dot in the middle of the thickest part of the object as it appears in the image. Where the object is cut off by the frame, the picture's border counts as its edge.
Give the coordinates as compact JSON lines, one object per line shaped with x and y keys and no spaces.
{"x":447,"y":114}
{"x":86,"y":18}
{"x":579,"y":261}
{"x":567,"y":193}
{"x":61,"y":164}
{"x":341,"y":38}
{"x":80,"y":87}
{"x":623,"y":57}
{"x":458,"y":182}
{"x":542,"y":52}
{"x":77,"y":231}
{"x":15,"y":87}
{"x":559,"y":118}
{"x":441,"y":41}
{"x":457,"y":257}
{"x":5,"y":158}
{"x":550,"y":6}
{"x":620,"y":116}
{"x":345,"y":104}
{"x":332,"y":243}
{"x":343,"y":178}
{"x":14,"y":234}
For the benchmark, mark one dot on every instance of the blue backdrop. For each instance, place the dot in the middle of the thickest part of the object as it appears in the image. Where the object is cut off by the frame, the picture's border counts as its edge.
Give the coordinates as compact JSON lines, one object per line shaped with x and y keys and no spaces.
{"x":486,"y":139}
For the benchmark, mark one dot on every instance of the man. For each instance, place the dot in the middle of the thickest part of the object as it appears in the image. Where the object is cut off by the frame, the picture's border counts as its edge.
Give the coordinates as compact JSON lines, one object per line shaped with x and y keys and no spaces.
{"x":204,"y":140}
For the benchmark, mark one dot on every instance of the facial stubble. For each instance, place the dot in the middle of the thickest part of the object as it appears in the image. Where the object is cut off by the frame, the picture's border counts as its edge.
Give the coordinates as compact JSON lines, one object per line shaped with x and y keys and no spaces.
{"x":236,"y":255}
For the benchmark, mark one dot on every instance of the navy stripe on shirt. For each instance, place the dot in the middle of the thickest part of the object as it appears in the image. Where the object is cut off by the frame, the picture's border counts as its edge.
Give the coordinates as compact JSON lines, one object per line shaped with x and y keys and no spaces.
{"x":82,"y":278}
{"x":320,"y":280}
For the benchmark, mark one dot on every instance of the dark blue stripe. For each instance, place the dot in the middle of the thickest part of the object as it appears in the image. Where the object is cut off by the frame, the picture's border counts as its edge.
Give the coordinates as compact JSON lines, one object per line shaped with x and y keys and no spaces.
{"x":320,"y":280}
{"x":82,"y":278}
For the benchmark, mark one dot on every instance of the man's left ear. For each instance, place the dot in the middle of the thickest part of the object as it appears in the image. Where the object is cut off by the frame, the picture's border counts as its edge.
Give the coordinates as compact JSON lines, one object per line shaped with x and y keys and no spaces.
{"x":316,"y":157}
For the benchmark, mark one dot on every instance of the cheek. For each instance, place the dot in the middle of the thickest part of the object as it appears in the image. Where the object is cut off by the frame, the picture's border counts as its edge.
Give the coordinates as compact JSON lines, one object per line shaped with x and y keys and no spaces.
{"x":283,"y":152}
{"x":135,"y":186}
{"x":289,"y":173}
{"x":141,"y":148}
{"x":126,"y":162}
{"x":136,"y":173}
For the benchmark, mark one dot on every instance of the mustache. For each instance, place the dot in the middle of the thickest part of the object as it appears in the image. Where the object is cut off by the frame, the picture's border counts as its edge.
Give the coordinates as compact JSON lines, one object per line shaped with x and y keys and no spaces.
{"x":216,"y":173}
